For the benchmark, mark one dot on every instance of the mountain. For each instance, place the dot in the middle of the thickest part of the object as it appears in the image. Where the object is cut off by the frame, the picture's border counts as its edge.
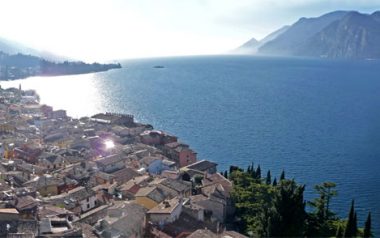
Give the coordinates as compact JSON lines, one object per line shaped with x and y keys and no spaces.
{"x":251,"y":46}
{"x":298,"y":33}
{"x":248,"y":47}
{"x":339,"y":34}
{"x":12,"y":47}
{"x":274,"y":35}
{"x":356,"y":36}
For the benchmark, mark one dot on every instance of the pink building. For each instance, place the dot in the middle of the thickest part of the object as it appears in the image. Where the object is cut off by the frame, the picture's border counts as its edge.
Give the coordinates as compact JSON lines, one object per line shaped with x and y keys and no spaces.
{"x":180,"y":153}
{"x":186,"y":156}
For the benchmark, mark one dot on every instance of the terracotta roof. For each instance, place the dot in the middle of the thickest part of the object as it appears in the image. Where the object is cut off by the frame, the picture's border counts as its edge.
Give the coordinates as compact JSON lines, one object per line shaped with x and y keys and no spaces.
{"x":167,"y":206}
{"x":124,"y":175}
{"x":151,"y":192}
{"x":109,"y":160}
{"x":202,"y":165}
{"x":217,"y":179}
{"x":177,"y":185}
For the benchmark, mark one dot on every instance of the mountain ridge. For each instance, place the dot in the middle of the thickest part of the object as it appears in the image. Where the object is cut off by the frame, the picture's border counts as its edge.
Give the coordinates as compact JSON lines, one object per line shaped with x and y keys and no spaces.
{"x":338,"y":34}
{"x":13,"y":47}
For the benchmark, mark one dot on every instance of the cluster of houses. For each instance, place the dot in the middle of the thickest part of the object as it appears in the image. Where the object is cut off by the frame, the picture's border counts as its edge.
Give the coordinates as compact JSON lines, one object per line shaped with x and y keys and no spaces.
{"x":102,"y":176}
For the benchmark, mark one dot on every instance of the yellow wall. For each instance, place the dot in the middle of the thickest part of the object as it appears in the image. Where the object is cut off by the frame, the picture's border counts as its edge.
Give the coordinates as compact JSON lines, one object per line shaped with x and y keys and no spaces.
{"x":146,"y":202}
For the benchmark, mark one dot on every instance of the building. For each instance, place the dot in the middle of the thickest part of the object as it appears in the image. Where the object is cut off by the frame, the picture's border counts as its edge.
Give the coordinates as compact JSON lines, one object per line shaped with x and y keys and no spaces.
{"x":166,"y":212}
{"x":122,"y":220}
{"x":181,"y":153}
{"x":174,"y":187}
{"x":156,"y":137}
{"x":150,"y":196}
{"x":51,"y":161}
{"x":77,"y":200}
{"x":204,"y":166}
{"x":110,"y":163}
{"x":114,"y":118}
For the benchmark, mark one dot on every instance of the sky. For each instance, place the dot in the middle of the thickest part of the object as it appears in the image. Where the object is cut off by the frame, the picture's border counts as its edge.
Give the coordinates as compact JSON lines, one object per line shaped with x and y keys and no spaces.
{"x":102,"y":30}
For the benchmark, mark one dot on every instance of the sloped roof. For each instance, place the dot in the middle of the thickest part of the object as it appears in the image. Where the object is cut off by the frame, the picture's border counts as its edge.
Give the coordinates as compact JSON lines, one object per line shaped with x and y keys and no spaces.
{"x":124,"y":175}
{"x":202,"y":165}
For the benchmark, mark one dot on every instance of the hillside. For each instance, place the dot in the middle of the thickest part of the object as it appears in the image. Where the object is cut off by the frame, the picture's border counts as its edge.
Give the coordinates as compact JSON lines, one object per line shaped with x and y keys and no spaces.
{"x":17,"y":66}
{"x":339,"y":34}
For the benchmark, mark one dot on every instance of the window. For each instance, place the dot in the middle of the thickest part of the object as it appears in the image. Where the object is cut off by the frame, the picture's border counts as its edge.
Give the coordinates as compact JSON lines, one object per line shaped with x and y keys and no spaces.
{"x":88,"y":206}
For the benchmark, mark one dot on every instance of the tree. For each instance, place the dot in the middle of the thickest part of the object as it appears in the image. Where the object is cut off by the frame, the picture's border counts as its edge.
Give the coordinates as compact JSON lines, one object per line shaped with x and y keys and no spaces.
{"x":249,"y":169}
{"x":322,"y":204}
{"x":351,"y":227}
{"x":367,"y":227}
{"x":225,"y":174}
{"x":274,"y":182}
{"x":282,"y":176}
{"x":258,"y":172}
{"x":268,"y":179}
{"x":288,"y":217}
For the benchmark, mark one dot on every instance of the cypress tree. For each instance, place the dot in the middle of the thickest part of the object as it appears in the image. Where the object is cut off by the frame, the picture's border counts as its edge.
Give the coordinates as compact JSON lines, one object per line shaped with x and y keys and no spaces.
{"x":233,"y":168}
{"x":258,"y":172}
{"x":282,"y":177}
{"x":274,"y":182}
{"x":355,"y":229}
{"x":249,"y":169}
{"x":367,"y":227}
{"x":269,"y":178}
{"x":351,"y":227}
{"x":253,"y":172}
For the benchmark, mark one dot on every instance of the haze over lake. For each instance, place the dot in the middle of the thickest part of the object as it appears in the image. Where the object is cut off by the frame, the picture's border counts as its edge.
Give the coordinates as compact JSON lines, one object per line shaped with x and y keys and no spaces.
{"x":317,"y":119}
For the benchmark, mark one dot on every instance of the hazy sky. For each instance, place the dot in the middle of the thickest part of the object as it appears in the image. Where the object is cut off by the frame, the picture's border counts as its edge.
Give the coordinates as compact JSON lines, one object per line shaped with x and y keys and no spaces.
{"x":114,"y":29}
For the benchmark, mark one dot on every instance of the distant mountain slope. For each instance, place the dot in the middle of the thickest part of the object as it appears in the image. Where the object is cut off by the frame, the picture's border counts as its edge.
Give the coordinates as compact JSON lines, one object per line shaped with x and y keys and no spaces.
{"x":251,"y":46}
{"x":339,"y":34}
{"x":12,"y":47}
{"x":17,"y":66}
{"x":355,"y":36}
{"x":274,"y":35}
{"x":300,"y":31}
{"x":248,"y":47}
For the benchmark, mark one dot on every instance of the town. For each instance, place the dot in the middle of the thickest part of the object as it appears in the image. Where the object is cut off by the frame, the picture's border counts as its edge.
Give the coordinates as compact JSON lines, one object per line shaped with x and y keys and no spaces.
{"x":102,"y":176}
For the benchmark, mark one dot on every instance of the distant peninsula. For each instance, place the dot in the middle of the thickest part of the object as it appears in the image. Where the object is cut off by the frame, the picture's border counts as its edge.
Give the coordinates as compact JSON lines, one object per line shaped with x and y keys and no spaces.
{"x":19,"y":66}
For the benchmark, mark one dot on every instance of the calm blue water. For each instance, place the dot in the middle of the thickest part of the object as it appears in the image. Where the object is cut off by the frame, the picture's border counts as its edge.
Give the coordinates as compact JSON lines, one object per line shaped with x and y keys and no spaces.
{"x":317,"y":119}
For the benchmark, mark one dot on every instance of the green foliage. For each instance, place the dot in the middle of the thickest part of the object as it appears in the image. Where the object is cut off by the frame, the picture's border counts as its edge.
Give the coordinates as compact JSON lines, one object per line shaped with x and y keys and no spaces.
{"x":266,"y":209}
{"x":268,"y":180}
{"x":258,"y":204}
{"x":351,"y":226}
{"x":274,"y":182}
{"x":320,"y":221}
{"x":258,"y":172}
{"x":367,"y":227}
{"x":198,"y":179}
{"x":289,"y":210}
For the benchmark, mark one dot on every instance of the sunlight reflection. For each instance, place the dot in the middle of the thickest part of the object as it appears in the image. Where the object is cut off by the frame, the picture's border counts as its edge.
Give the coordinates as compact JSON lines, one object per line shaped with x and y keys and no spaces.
{"x":78,"y":94}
